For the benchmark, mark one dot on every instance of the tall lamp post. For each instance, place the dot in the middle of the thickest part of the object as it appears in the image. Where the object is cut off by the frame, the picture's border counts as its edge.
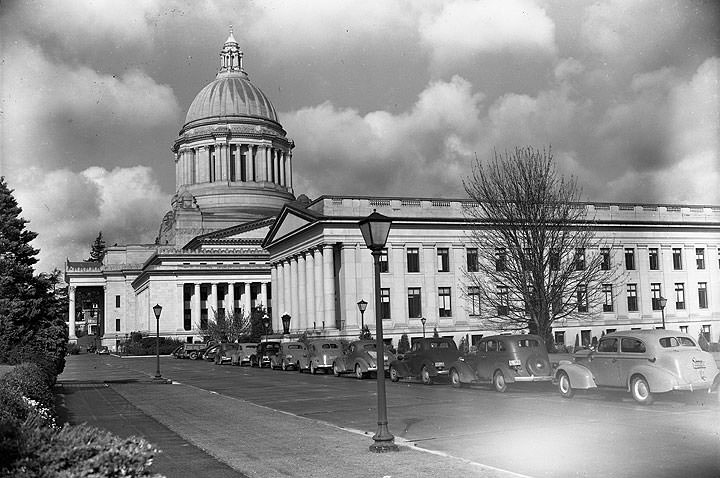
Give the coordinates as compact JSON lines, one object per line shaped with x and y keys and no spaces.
{"x":157,"y":310}
{"x":266,"y":325}
{"x":375,"y":229}
{"x":286,"y":323}
{"x":663,"y":303}
{"x":423,"y":320}
{"x":362,"y":305}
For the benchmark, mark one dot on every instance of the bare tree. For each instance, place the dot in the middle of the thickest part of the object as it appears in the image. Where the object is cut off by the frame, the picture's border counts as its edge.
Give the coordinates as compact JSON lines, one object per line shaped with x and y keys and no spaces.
{"x":225,"y":327}
{"x":538,"y":257}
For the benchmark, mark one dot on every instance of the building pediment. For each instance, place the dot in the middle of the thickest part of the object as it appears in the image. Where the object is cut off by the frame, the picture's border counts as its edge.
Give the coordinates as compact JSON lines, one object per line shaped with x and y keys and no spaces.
{"x":290,"y":220}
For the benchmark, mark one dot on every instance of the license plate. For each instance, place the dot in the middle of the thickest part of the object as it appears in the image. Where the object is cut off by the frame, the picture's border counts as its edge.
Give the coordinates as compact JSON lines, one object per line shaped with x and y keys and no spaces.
{"x":514,"y":363}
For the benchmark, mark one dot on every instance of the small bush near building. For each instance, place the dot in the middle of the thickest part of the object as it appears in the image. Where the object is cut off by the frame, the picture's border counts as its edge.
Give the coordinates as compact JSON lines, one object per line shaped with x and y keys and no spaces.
{"x":73,"y":349}
{"x":146,"y":345}
{"x":404,"y":344}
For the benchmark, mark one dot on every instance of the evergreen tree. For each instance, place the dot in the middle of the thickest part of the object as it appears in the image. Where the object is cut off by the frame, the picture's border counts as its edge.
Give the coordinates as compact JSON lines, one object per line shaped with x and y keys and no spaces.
{"x":404,"y":344}
{"x":32,"y":325}
{"x":365,"y":333}
{"x":97,"y":249}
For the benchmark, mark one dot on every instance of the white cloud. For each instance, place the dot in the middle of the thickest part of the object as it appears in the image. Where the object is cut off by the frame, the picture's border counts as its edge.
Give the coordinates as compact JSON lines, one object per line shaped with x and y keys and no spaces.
{"x":68,"y":209}
{"x":465,"y":28}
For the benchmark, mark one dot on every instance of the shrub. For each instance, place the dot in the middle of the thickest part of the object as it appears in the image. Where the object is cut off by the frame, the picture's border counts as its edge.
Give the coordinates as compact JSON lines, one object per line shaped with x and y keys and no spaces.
{"x":404,"y":344}
{"x":146,"y":346}
{"x":31,"y":381}
{"x":73,"y":349}
{"x":81,"y":450}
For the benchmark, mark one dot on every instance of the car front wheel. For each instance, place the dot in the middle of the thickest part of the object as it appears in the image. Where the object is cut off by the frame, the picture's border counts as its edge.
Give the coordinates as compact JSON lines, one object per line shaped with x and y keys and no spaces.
{"x":455,"y":378}
{"x":336,"y":370}
{"x":394,"y":376}
{"x":313,"y":370}
{"x":193,"y":355}
{"x":358,"y":372}
{"x":425,"y":376}
{"x":566,"y":390}
{"x":641,"y":390}
{"x":284,"y":367}
{"x":499,"y":382}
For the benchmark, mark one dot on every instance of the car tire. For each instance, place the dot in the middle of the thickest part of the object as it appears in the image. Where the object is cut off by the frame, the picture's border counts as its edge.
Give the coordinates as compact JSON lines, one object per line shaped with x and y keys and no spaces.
{"x":640,"y":390}
{"x":425,"y":376}
{"x":284,"y":366}
{"x":564,"y":386}
{"x":359,"y":374}
{"x":336,"y":370}
{"x":394,"y":375}
{"x":455,"y":378}
{"x":499,"y":382}
{"x":313,"y":370}
{"x":193,"y":355}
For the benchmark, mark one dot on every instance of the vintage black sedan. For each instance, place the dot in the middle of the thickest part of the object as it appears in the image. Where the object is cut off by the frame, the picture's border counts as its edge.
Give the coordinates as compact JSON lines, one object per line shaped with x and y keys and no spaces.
{"x":503,"y":359}
{"x":428,"y":360}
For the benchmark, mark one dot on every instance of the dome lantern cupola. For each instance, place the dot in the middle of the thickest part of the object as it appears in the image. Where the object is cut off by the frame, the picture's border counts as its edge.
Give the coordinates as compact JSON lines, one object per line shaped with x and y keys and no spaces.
{"x":231,"y":56}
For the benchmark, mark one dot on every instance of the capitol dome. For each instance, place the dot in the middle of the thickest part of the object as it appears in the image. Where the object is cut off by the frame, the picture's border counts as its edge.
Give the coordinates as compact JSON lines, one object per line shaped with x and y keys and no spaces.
{"x":231,"y":96}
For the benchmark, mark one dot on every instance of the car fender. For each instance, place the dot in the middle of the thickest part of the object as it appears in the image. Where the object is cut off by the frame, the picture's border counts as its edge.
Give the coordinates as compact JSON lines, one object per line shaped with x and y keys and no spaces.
{"x":658,"y":379}
{"x":340,"y":362}
{"x":466,"y":372}
{"x":401,"y":368}
{"x":431,"y":367}
{"x":580,"y":377}
{"x":363,"y":364}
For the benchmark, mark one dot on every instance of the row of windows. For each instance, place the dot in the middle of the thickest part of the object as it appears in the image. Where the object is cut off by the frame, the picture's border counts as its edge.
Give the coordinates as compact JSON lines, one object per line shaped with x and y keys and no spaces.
{"x":443,"y":259}
{"x":414,"y":301}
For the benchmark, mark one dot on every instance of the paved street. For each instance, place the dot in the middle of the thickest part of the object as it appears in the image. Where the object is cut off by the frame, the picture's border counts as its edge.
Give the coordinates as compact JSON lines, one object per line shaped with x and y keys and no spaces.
{"x":529,"y":430}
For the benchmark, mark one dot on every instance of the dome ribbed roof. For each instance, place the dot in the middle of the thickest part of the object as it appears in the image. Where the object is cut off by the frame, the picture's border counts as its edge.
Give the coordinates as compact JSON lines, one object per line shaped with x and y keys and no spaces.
{"x":230,"y":94}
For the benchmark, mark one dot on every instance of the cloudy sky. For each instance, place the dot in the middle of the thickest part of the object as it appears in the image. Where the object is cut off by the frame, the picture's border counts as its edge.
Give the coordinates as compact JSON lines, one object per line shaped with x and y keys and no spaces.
{"x":381,"y":97}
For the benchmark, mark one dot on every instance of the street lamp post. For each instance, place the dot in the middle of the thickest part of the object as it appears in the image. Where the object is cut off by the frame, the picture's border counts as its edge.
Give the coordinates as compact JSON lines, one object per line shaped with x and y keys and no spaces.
{"x":157,"y":310}
{"x":423,"y":320}
{"x":663,"y":303}
{"x":375,"y":229}
{"x":286,"y":323}
{"x":362,"y":305}
{"x":266,"y":325}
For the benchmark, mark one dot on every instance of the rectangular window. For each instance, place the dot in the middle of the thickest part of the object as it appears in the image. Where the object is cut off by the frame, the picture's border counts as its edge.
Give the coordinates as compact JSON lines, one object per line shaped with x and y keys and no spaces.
{"x":385,"y":304}
{"x":684,"y":329}
{"x":706,"y":331}
{"x":679,"y":295}
{"x":560,"y":337}
{"x":605,"y":254}
{"x":702,"y":295}
{"x":472,"y":260}
{"x":654,"y":257}
{"x":677,"y":259}
{"x":233,"y":151}
{"x":443,"y":258}
{"x":444,"y":305}
{"x":474,"y":297}
{"x":414,"y":303}
{"x":655,"y":293}
{"x":413,"y":259}
{"x":579,"y":259}
{"x":608,"y":296}
{"x":211,"y":158}
{"x":500,"y":259}
{"x":700,"y":257}
{"x":632,"y":302}
{"x":503,"y":300}
{"x":117,"y":301}
{"x":117,"y":325}
{"x":383,"y":265}
{"x":630,"y":259}
{"x":582,"y":298}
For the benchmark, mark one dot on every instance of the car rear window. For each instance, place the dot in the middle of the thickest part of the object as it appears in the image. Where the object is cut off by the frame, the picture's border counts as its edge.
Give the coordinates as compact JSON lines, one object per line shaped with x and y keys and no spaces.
{"x":251,"y":346}
{"x":529,"y":343}
{"x":370,"y":346}
{"x":631,"y":345}
{"x":329,"y":346}
{"x":294,"y":346}
{"x":676,"y":342}
{"x":440,"y":345}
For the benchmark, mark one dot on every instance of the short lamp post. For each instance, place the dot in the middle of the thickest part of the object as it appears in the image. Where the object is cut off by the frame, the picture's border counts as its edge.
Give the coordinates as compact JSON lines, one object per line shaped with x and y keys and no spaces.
{"x":375,"y":229}
{"x":362,"y":305}
{"x":663,"y":302}
{"x":157,"y":310}
{"x":286,"y":323}
{"x":423,"y":320}
{"x":266,"y":325}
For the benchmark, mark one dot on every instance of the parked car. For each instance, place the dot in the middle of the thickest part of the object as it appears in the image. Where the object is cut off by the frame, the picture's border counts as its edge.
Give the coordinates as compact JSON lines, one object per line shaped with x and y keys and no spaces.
{"x":361,"y":359}
{"x":321,"y":354}
{"x":503,"y":359}
{"x":642,"y":362}
{"x":103,"y":350}
{"x":428,"y":360}
{"x":289,"y":356}
{"x":194,"y":351}
{"x":242,"y":354}
{"x":224,"y":352}
{"x":264,"y":352}
{"x":178,"y":352}
{"x":209,"y":353}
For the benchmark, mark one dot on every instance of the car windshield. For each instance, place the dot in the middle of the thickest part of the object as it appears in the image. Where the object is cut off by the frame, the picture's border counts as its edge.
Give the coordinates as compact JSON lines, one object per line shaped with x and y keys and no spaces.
{"x":329,"y":346}
{"x":294,"y":346}
{"x":667,"y":342}
{"x":529,"y":343}
{"x":443,"y":345}
{"x":272,"y":347}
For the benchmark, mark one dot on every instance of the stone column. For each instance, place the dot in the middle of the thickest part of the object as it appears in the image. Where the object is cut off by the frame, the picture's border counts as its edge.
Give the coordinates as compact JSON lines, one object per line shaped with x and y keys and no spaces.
{"x":302,"y":293}
{"x":212,"y":300}
{"x":294,"y":288}
{"x":310,"y":288}
{"x":318,"y":286}
{"x":246,"y":298}
{"x":195,"y":304}
{"x":328,"y":286}
{"x":71,"y":311}
{"x":290,"y":181}
{"x":251,"y":168}
{"x":287,"y":286}
{"x":178,"y":169}
{"x":263,"y":294}
{"x":230,"y":298}
{"x":278,"y":289}
{"x":281,"y":160}
{"x":224,"y":162}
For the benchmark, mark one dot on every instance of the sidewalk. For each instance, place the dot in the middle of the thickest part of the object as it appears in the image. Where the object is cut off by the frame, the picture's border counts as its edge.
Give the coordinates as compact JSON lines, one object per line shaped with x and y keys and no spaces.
{"x":203,"y":433}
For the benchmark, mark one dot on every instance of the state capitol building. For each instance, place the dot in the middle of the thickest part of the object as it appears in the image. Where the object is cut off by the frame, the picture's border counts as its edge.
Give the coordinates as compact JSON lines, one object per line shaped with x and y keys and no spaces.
{"x":237,"y":237}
